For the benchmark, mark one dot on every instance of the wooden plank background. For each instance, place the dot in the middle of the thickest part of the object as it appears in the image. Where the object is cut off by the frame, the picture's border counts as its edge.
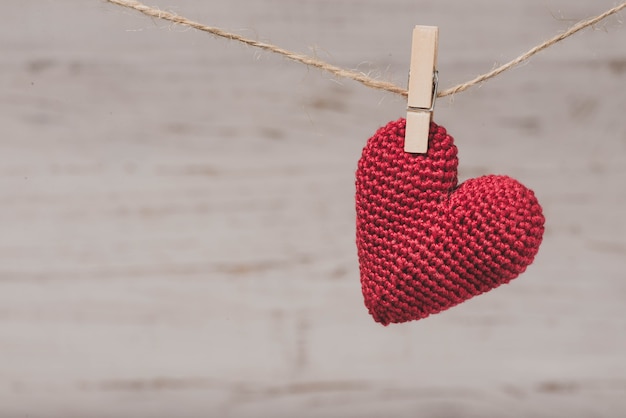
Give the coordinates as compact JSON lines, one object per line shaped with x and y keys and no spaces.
{"x":177,"y":221}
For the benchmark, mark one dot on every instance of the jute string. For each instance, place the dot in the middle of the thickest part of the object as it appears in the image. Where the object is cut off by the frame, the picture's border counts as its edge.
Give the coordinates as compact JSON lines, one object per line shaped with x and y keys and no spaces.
{"x":354,"y":75}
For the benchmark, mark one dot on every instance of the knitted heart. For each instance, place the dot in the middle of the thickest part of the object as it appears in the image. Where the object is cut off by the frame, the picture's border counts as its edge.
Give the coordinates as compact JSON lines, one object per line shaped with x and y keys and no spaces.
{"x":425,"y":243}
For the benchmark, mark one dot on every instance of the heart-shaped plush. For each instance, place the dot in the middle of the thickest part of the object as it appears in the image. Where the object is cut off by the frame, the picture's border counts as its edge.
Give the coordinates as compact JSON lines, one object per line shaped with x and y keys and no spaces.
{"x":425,"y":243}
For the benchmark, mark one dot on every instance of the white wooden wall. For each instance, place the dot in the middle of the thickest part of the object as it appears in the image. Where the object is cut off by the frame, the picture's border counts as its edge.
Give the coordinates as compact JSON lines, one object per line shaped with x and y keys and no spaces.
{"x":177,"y":221}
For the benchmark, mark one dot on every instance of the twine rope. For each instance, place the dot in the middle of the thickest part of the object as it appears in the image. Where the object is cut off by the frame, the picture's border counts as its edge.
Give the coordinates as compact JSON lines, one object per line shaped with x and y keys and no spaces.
{"x":354,"y":75}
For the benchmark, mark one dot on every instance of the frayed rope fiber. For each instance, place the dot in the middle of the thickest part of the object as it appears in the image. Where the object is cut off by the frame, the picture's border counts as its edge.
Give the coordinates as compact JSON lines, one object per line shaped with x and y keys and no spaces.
{"x":356,"y":75}
{"x":424,"y":242}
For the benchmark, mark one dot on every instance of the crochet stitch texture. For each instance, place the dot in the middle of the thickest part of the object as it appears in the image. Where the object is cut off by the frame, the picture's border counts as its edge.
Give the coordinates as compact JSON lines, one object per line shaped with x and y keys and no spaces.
{"x":426,"y":244}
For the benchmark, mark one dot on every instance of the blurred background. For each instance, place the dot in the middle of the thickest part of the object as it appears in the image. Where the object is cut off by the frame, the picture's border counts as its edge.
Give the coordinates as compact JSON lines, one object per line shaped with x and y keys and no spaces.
{"x":177,"y":212}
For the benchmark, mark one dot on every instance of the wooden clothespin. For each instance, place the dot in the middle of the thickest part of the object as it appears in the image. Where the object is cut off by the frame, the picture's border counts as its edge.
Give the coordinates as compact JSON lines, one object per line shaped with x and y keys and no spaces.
{"x":422,"y":88}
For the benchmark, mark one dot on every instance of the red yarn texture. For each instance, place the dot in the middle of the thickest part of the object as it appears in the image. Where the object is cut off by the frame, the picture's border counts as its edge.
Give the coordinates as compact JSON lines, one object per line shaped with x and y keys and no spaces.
{"x":425,"y":243}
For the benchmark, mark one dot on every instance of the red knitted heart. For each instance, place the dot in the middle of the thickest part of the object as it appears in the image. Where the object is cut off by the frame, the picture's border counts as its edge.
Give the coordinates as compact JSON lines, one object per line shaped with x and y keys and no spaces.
{"x":425,"y":243}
